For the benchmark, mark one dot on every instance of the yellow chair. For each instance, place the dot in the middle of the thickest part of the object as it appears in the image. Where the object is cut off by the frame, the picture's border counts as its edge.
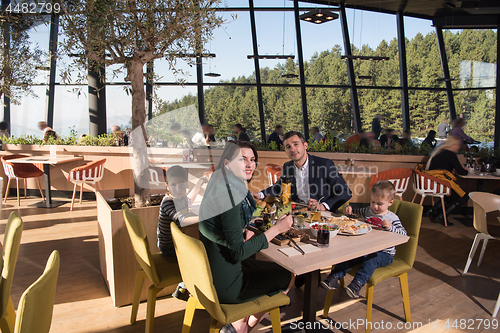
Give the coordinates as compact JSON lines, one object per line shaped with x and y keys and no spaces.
{"x":410,"y":215}
{"x":197,"y":276}
{"x":11,"y":242}
{"x":160,"y":270}
{"x":34,"y":313}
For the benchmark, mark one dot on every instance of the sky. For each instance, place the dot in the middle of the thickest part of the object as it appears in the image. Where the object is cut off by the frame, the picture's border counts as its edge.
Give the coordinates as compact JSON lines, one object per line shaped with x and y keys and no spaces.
{"x":231,"y":43}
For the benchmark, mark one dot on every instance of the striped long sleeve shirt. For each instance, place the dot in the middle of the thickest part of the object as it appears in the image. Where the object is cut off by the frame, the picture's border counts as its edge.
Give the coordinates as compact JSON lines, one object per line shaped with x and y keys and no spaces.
{"x":171,"y":210}
{"x":396,"y":225}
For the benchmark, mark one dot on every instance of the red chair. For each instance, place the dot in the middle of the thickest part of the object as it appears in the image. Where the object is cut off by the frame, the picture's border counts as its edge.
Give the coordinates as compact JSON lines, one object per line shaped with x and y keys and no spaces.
{"x":273,"y":173}
{"x":355,"y":138}
{"x":90,"y":173}
{"x":21,"y":170}
{"x":400,"y":177}
{"x":427,"y":185}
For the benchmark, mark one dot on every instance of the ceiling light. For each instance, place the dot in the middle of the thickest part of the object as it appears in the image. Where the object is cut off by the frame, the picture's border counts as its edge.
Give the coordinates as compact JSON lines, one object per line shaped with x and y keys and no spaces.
{"x":319,"y":15}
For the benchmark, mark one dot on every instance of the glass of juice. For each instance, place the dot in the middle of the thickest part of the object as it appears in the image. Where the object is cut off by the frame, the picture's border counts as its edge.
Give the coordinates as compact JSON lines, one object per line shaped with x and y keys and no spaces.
{"x":323,"y":237}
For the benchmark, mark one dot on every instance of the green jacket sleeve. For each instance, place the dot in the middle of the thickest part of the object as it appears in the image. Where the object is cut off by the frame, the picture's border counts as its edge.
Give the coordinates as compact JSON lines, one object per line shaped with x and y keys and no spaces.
{"x":232,"y":233}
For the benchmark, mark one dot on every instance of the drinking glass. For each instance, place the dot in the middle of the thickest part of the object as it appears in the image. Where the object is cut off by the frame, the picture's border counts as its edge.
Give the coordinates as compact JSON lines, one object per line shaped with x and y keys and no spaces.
{"x":298,"y":221}
{"x":323,"y":237}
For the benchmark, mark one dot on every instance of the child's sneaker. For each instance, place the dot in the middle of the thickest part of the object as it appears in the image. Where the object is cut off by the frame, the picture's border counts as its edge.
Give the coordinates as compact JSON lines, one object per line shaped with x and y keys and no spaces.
{"x":181,"y":293}
{"x":353,"y":289}
{"x":330,"y":283}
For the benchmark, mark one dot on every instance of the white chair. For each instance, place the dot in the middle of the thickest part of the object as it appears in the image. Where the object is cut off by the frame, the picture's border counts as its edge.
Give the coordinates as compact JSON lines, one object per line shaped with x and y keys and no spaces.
{"x":483,"y":203}
{"x":273,"y":173}
{"x":399,"y":177}
{"x":90,"y":173}
{"x":426,"y":185}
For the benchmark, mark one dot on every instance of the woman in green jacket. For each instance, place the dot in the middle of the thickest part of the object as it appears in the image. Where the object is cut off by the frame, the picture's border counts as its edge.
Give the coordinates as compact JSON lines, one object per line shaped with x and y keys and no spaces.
{"x":225,"y":212}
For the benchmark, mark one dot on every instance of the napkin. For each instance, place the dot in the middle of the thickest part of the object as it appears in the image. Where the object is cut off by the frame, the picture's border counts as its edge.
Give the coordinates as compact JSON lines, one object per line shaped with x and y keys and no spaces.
{"x":291,"y":251}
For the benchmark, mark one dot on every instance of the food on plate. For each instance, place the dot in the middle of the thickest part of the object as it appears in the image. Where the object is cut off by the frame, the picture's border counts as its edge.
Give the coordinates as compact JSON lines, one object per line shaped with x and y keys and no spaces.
{"x":296,"y":233}
{"x":261,"y":203}
{"x":331,"y":227}
{"x":316,"y":217}
{"x":271,"y":199}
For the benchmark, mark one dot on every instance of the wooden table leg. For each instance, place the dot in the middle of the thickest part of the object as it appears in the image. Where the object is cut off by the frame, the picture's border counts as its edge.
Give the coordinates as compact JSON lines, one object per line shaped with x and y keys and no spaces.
{"x":310,"y":298}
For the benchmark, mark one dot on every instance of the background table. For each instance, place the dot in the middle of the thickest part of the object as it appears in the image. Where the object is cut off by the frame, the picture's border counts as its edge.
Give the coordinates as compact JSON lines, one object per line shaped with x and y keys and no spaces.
{"x":356,"y":170}
{"x":341,"y":249}
{"x":47,"y":161}
{"x":480,"y":177}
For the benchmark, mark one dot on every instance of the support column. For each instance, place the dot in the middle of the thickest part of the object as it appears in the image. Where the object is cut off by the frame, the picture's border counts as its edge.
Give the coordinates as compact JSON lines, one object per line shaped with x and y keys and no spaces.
{"x":50,"y":91}
{"x":350,"y":70}
{"x":199,"y":84}
{"x":257,"y":71}
{"x":97,"y":98}
{"x":496,"y":139}
{"x":302,"y":76}
{"x":149,"y":88}
{"x":403,"y":71}
{"x":446,"y":73}
{"x":6,"y":65}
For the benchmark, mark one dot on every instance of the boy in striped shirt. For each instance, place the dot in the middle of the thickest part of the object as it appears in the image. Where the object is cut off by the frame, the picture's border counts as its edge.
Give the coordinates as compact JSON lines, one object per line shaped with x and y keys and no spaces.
{"x":382,"y":197}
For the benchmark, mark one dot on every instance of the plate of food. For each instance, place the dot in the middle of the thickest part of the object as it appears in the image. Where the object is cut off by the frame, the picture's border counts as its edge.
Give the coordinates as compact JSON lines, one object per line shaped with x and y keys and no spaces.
{"x":351,"y":227}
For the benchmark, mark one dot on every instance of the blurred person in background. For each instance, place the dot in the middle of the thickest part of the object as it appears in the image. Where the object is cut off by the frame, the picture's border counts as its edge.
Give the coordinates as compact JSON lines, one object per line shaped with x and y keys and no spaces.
{"x":430,"y":139}
{"x":376,"y":127}
{"x":458,"y":132}
{"x":317,"y":136}
{"x":4,"y":129}
{"x":443,"y":129}
{"x":276,"y":136}
{"x":241,"y":133}
{"x":389,"y":139}
{"x":47,"y":131}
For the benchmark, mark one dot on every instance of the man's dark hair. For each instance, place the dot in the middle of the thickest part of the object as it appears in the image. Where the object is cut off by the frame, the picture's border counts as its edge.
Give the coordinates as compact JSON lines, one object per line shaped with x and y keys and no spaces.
{"x":288,"y":135}
{"x":316,"y":128}
{"x":177,"y":172}
{"x":278,"y":127}
{"x":432,"y":132}
{"x":240,"y":127}
{"x":389,"y":130}
{"x":3,"y":126}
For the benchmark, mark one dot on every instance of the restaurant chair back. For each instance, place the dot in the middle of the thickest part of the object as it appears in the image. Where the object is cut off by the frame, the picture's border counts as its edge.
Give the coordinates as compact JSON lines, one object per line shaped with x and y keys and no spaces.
{"x":90,"y":173}
{"x":21,"y":171}
{"x":162,"y":271}
{"x":11,"y":243}
{"x":273,"y":173}
{"x":355,"y":138}
{"x":34,"y":313}
{"x":483,"y":203}
{"x":399,"y":177}
{"x":427,"y":185}
{"x":197,"y":276}
{"x":410,"y":215}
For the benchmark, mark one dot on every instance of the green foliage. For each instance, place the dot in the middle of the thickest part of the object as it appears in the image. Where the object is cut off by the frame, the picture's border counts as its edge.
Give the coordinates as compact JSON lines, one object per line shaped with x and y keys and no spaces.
{"x":72,"y":140}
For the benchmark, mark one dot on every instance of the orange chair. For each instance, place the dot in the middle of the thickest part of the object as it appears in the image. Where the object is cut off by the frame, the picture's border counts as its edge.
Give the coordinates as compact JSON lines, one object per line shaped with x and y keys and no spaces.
{"x":400,"y":177}
{"x":427,"y":185}
{"x":273,"y":173}
{"x":355,"y":138}
{"x":21,"y":170}
{"x":90,"y":173}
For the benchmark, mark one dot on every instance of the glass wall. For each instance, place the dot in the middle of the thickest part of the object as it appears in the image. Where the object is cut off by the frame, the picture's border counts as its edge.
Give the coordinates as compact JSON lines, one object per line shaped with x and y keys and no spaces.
{"x":232,"y":97}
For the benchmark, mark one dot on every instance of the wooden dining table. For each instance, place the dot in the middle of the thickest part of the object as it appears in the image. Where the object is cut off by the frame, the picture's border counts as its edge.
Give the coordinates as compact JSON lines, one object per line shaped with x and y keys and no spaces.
{"x":342,"y":248}
{"x":47,"y":161}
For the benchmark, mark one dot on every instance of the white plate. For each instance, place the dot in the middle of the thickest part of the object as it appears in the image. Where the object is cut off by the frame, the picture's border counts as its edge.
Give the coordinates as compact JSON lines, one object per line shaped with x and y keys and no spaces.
{"x":359,"y":232}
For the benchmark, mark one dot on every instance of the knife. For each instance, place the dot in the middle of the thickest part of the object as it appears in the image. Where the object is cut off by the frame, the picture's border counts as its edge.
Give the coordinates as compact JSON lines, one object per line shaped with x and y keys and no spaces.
{"x":295,"y":244}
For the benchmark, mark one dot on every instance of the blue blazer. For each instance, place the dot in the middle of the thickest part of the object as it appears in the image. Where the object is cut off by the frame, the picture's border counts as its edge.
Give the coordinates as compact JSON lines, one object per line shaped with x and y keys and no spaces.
{"x":324,"y":181}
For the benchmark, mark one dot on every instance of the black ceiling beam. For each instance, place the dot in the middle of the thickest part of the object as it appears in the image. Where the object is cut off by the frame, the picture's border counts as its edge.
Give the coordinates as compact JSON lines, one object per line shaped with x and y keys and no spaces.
{"x":466,"y":22}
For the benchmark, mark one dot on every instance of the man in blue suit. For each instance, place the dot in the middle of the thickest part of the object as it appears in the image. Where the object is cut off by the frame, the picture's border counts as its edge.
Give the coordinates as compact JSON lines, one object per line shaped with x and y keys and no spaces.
{"x":314,"y":178}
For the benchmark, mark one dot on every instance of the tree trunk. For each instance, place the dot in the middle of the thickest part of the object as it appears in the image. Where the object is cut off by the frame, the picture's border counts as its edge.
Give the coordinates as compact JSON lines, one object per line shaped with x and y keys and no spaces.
{"x":139,"y":151}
